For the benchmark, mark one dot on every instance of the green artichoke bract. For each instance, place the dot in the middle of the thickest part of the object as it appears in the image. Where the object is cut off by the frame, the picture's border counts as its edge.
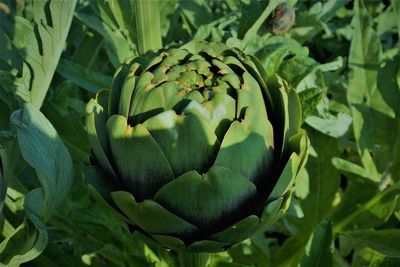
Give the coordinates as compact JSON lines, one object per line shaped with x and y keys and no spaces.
{"x":198,"y":146}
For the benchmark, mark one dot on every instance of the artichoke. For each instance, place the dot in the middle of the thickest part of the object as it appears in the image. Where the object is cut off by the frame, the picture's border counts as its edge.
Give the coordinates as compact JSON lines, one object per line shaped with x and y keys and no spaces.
{"x":283,"y":19}
{"x":196,"y":146}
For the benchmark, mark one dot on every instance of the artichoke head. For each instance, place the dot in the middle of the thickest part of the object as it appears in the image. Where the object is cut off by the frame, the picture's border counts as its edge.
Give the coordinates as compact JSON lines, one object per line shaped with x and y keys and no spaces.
{"x":201,"y":148}
{"x":283,"y":19}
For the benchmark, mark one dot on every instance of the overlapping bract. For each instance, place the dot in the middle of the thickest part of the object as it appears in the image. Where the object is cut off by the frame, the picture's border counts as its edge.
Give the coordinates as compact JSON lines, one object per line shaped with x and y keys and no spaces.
{"x":198,"y":147}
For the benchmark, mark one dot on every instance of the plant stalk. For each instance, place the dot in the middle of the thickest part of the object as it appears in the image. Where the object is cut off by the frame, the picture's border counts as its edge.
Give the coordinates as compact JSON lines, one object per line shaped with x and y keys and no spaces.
{"x":193,"y":259}
{"x":148,"y":29}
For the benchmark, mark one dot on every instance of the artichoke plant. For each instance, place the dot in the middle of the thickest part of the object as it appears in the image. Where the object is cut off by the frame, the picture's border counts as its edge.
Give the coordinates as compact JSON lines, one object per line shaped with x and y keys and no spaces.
{"x":198,"y":148}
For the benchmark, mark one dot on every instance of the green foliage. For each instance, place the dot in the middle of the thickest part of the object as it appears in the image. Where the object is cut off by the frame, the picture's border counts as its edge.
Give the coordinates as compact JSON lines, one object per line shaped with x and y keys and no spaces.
{"x":341,"y":56}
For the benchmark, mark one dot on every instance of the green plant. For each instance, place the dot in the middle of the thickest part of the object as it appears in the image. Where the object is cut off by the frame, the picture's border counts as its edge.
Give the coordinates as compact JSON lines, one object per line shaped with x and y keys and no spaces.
{"x":200,"y":146}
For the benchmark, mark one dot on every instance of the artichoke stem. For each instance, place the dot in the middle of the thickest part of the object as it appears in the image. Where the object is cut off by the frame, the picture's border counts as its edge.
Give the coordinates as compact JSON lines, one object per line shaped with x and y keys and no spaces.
{"x":148,"y":29}
{"x":192,"y":259}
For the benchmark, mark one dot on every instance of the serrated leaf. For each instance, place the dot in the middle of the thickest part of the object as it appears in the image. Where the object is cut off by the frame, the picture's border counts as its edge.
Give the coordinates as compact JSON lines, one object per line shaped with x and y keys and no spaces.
{"x":42,"y":54}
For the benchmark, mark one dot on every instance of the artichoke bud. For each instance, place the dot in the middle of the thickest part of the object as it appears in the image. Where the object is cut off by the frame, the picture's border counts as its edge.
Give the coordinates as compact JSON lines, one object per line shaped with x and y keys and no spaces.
{"x":199,"y":142}
{"x":283,"y":19}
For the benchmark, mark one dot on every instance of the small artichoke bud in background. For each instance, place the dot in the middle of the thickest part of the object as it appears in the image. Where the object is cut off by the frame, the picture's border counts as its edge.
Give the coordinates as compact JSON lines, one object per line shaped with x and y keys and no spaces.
{"x":283,"y":18}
